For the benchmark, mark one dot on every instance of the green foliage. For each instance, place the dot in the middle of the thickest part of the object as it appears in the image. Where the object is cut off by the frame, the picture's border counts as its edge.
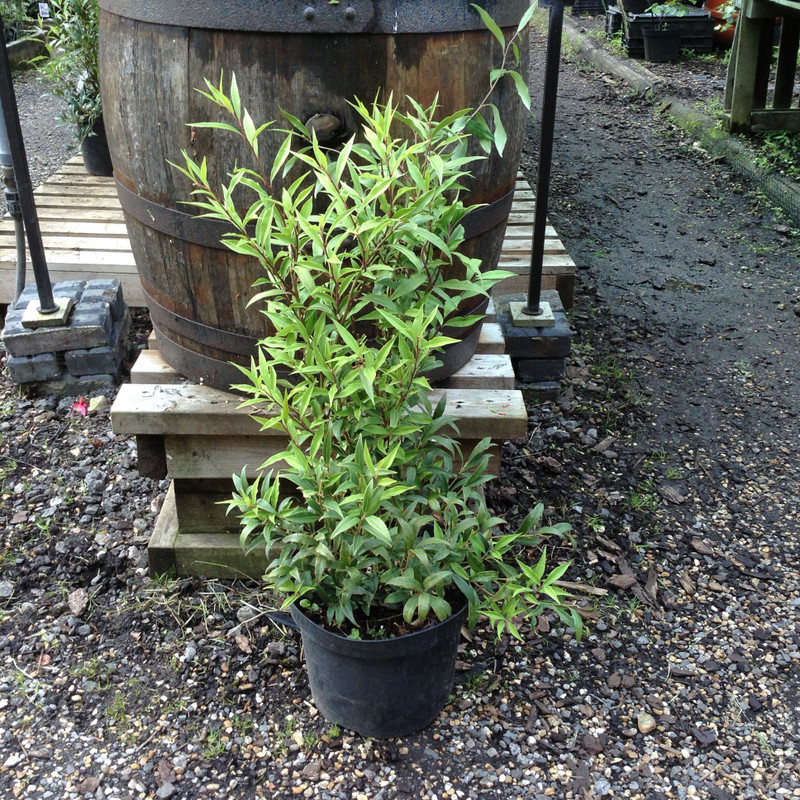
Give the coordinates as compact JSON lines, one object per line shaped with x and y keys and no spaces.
{"x":14,"y":14}
{"x":372,"y":508}
{"x":778,"y":151}
{"x":666,"y":11}
{"x":71,"y":63}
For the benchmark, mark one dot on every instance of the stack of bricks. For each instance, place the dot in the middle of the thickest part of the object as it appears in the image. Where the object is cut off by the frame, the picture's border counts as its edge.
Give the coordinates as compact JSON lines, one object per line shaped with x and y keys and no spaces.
{"x":83,"y":355}
{"x":538,"y":355}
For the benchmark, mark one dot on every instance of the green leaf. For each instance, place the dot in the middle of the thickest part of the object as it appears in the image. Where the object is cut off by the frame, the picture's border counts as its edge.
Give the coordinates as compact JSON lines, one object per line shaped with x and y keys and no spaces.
{"x":500,"y":137}
{"x":377,"y":527}
{"x":236,"y":101}
{"x":526,"y":17}
{"x":522,"y":89}
{"x":491,"y":25}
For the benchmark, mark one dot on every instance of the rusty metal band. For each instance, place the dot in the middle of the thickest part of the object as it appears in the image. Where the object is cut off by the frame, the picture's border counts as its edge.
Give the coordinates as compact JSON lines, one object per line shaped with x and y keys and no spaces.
{"x":209,"y":232}
{"x":227,"y":342}
{"x":236,"y":344}
{"x":197,"y":366}
{"x":223,"y":374}
{"x":483,"y":219}
{"x":171,"y":222}
{"x":320,"y":16}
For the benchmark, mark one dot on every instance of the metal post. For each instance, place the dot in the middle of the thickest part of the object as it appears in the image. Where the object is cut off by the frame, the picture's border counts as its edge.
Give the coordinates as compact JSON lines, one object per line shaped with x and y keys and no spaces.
{"x":533,"y":307}
{"x":8,"y":100}
{"x":13,"y":206}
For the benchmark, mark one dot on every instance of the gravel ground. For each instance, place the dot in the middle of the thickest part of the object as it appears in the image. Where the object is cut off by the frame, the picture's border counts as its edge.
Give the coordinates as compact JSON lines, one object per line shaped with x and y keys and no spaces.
{"x":47,"y":141}
{"x":672,"y":450}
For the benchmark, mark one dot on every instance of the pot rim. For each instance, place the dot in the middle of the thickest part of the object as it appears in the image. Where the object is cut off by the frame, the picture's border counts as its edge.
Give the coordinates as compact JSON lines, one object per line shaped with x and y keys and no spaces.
{"x":393,"y":647}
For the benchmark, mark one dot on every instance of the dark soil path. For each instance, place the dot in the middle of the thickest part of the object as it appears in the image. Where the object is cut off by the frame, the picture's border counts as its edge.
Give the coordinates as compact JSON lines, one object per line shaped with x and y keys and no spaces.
{"x":673,"y":450}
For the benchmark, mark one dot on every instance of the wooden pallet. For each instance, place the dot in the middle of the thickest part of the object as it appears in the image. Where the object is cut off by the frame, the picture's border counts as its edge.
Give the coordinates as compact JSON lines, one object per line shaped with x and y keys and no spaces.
{"x":558,"y":269}
{"x":199,"y":437}
{"x":85,"y":237}
{"x":83,"y":231}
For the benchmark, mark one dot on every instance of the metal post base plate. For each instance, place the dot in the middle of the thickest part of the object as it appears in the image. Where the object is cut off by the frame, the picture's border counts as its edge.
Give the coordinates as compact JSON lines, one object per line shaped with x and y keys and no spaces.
{"x":519,"y":317}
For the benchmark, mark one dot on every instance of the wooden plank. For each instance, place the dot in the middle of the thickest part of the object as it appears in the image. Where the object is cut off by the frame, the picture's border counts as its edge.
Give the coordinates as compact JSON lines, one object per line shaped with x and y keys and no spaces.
{"x":206,"y":457}
{"x":81,"y":179}
{"x":97,"y":260}
{"x":150,"y":366}
{"x":551,"y":264}
{"x":524,"y":228}
{"x":161,"y":548}
{"x":518,"y":284}
{"x":131,"y":285}
{"x":210,"y":456}
{"x":53,"y":202}
{"x":62,"y":214}
{"x":491,"y":340}
{"x":772,"y":119}
{"x":484,"y":372}
{"x":512,"y":246}
{"x":79,"y":227}
{"x":204,"y":554}
{"x":49,"y":196}
{"x":190,"y":409}
{"x":72,"y":243}
{"x":201,"y":505}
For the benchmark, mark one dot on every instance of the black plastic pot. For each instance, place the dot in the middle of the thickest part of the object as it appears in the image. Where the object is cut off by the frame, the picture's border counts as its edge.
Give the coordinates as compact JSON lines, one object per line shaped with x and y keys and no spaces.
{"x":94,"y":149}
{"x":662,"y":44}
{"x":381,"y":688}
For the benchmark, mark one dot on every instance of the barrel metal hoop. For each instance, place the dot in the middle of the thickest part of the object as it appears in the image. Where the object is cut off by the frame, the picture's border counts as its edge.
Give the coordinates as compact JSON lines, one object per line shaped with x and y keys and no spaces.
{"x":319,"y":16}
{"x":169,"y":221}
{"x":483,"y":219}
{"x":203,"y":368}
{"x":209,"y":232}
{"x":224,"y":341}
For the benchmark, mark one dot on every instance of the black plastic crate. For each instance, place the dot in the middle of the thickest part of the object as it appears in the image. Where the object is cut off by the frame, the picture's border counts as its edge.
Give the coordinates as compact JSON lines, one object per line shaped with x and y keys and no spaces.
{"x":593,"y":7}
{"x":697,"y":25}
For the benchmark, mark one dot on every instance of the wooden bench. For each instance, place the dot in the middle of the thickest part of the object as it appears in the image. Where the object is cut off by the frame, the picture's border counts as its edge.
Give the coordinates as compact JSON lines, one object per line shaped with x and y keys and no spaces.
{"x":747,"y":100}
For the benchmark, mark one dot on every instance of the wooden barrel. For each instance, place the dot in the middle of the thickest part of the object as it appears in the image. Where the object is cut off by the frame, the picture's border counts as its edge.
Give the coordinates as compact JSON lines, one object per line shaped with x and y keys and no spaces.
{"x":308,"y":57}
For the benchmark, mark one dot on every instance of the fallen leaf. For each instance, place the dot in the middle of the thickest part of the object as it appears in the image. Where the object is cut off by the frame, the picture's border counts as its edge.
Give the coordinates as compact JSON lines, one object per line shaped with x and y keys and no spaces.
{"x":671,"y":495}
{"x":542,"y":624}
{"x":687,"y":583}
{"x":611,"y":545}
{"x":243,"y":643}
{"x":602,"y":446}
{"x":551,"y":464}
{"x":704,"y":548}
{"x":704,"y":736}
{"x":622,"y":581}
{"x":651,"y":587}
{"x":165,"y":773}
{"x":95,"y":404}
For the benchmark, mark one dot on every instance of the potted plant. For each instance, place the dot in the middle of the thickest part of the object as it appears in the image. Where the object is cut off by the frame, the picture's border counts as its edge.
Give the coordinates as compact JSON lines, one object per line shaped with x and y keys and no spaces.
{"x":662,"y":38}
{"x":14,"y":14}
{"x":71,"y":69}
{"x":724,"y":13}
{"x":378,"y":537}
